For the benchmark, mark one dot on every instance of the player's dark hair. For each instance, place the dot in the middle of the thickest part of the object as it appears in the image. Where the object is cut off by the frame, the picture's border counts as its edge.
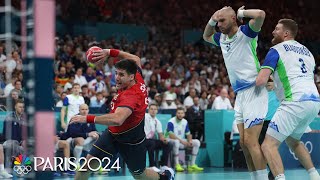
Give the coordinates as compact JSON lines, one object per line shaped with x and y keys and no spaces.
{"x":128,"y":65}
{"x":290,"y":25}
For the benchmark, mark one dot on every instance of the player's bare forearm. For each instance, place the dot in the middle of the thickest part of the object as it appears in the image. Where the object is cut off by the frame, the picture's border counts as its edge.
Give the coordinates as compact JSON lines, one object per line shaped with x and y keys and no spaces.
{"x":173,"y":136}
{"x":125,"y":55}
{"x":102,"y":54}
{"x":257,"y":18}
{"x":109,"y":120}
{"x":208,"y":32}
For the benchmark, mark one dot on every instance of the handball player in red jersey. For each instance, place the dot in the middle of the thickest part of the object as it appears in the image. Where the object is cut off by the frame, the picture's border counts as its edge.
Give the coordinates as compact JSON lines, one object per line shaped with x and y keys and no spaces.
{"x":125,"y":134}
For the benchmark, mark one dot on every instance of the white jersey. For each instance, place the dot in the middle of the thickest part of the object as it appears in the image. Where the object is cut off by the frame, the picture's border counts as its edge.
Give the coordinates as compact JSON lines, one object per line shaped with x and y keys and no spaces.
{"x":293,"y":66}
{"x":240,"y":56}
{"x":72,"y":103}
{"x":179,"y":128}
{"x":152,"y":126}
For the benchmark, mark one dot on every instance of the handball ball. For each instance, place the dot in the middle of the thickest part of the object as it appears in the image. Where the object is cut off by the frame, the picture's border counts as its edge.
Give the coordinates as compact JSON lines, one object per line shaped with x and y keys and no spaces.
{"x":89,"y":53}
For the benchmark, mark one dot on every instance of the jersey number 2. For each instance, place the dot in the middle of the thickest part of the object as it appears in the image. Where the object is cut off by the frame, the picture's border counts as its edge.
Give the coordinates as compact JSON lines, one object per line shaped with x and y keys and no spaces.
{"x":303,"y":66}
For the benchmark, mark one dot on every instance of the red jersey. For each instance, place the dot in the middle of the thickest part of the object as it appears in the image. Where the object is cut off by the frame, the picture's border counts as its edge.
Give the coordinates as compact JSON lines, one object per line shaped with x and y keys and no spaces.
{"x":135,"y":98}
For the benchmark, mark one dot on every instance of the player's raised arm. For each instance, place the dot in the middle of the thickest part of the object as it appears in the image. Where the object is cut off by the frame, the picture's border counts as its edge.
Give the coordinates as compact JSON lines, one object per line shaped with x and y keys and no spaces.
{"x":102,"y":54}
{"x":210,"y":28}
{"x":257,"y":17}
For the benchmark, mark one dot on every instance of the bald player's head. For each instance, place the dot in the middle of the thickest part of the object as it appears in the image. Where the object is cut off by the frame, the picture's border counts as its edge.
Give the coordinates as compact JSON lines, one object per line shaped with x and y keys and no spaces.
{"x":227,"y":10}
{"x":227,"y":19}
{"x":83,"y":109}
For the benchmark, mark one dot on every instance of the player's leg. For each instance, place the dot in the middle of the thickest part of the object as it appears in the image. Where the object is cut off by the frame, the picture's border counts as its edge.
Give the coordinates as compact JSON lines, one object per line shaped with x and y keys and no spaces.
{"x":280,"y":127}
{"x":195,"y":149}
{"x":293,"y":141}
{"x":304,"y":157}
{"x":63,"y":144}
{"x":151,"y":145}
{"x":270,"y":147}
{"x":166,"y":149}
{"x":238,"y":116}
{"x":103,"y":147}
{"x":135,"y":157}
{"x":78,"y":147}
{"x":175,"y":151}
{"x":3,"y":172}
{"x":245,"y":150}
{"x":251,"y":141}
{"x":300,"y":151}
{"x":255,"y":107}
{"x":261,"y":138}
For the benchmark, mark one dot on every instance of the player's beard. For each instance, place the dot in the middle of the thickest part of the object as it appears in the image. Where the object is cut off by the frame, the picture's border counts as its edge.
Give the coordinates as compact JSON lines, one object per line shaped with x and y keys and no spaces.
{"x":276,"y":40}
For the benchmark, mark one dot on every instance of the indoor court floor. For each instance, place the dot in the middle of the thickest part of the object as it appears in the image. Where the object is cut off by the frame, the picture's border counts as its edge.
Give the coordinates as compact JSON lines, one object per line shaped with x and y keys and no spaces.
{"x":208,"y":174}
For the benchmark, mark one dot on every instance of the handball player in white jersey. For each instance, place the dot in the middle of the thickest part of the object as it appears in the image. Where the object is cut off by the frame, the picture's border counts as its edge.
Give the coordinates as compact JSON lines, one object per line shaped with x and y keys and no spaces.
{"x":238,"y":45}
{"x":292,"y":66}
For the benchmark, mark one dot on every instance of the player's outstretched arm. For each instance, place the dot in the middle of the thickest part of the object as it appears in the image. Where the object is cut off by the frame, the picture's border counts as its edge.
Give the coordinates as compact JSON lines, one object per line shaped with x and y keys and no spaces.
{"x":257,"y":17}
{"x":210,"y":28}
{"x":113,"y":119}
{"x":102,"y":54}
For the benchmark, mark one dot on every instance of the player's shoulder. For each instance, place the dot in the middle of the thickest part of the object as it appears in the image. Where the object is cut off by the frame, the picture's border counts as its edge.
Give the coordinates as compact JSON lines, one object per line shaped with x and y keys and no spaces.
{"x":134,"y":91}
{"x":172,"y":120}
{"x":147,"y":116}
{"x":69,"y":96}
{"x":184,"y":121}
{"x":278,"y":46}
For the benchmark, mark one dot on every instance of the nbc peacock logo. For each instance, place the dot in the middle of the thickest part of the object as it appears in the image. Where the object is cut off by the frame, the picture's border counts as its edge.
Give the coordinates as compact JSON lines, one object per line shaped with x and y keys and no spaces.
{"x":22,"y":165}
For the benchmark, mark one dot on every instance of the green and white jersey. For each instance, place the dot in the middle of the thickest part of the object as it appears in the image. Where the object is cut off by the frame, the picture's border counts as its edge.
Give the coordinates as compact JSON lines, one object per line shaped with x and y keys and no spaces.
{"x":179,"y":128}
{"x":240,"y":56}
{"x":293,"y":66}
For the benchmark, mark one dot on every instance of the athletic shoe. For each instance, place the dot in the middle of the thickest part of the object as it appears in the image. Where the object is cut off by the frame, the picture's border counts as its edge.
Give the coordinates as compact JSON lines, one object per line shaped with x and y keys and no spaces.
{"x":5,"y":174}
{"x":195,"y":168}
{"x":168,"y":172}
{"x":179,"y":168}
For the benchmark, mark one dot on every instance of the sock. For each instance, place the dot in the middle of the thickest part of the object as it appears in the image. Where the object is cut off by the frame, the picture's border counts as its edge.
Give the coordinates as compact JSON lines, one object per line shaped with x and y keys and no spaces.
{"x":261,"y":174}
{"x":1,"y":167}
{"x":176,"y":159}
{"x":77,"y":151}
{"x":280,"y":177}
{"x":193,"y":160}
{"x":313,"y":173}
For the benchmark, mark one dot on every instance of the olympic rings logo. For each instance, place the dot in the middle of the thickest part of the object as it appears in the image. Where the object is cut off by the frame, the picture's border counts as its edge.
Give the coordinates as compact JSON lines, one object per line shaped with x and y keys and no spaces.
{"x":308,"y":145}
{"x":22,"y":169}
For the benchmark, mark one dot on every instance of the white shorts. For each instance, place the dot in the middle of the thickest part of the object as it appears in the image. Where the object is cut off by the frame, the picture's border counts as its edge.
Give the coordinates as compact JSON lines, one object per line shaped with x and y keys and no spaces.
{"x":251,"y":106}
{"x":292,"y":119}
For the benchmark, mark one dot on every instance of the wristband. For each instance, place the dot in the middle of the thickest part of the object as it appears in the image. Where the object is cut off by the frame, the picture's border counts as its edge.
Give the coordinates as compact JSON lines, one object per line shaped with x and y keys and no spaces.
{"x":240,"y":13}
{"x":91,"y":119}
{"x":114,"y":52}
{"x":212,"y":22}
